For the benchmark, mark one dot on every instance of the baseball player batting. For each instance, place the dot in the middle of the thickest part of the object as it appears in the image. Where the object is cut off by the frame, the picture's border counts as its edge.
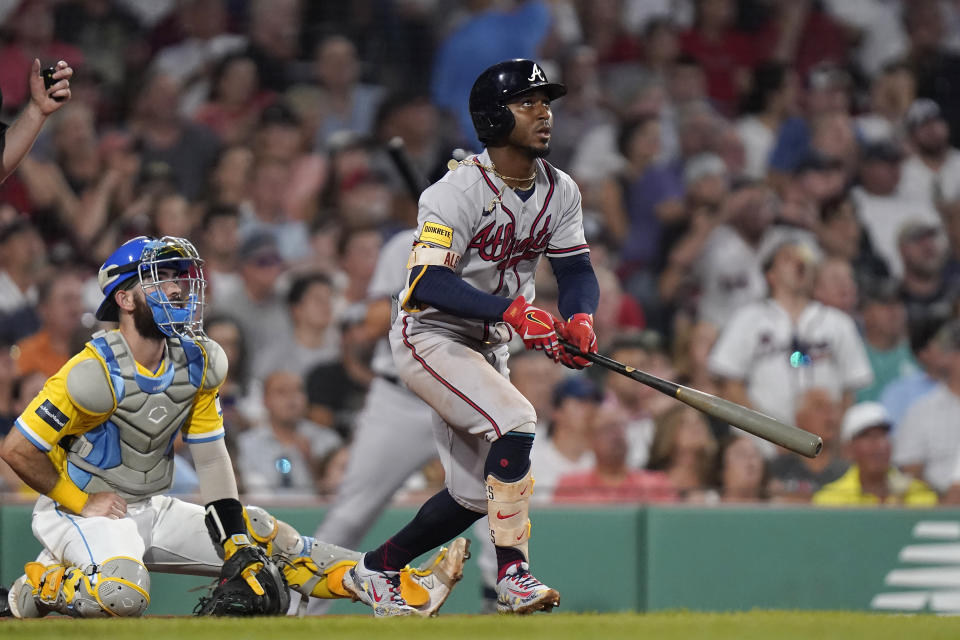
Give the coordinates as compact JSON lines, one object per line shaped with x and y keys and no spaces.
{"x":481,"y":232}
{"x":97,"y":442}
{"x":393,"y":437}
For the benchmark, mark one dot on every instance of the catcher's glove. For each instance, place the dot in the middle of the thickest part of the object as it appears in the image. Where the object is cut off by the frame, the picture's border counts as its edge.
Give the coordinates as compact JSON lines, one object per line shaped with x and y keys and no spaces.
{"x":250,"y":584}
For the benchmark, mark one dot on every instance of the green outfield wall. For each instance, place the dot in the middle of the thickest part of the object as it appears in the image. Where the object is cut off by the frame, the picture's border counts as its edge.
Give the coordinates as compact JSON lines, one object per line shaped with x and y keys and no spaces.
{"x":654,"y":558}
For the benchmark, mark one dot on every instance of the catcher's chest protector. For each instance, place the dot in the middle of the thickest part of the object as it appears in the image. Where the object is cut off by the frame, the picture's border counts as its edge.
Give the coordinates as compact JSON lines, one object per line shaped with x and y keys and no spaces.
{"x":131,"y":453}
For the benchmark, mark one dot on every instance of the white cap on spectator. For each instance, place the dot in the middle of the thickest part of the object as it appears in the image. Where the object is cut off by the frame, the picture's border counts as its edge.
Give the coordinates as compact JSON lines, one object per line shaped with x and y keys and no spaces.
{"x":703,"y":165}
{"x":863,"y":416}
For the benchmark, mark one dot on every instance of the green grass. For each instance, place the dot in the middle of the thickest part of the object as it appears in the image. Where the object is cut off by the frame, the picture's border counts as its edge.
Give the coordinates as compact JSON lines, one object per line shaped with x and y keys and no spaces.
{"x":754,"y":625}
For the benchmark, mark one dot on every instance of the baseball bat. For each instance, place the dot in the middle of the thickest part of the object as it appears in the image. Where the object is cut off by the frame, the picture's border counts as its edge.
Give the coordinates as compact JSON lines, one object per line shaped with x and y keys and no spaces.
{"x":411,"y":179}
{"x":793,"y":438}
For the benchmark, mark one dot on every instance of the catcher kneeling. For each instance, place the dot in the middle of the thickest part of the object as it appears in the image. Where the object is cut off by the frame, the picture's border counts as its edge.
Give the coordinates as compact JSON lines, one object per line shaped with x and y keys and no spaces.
{"x":97,"y":442}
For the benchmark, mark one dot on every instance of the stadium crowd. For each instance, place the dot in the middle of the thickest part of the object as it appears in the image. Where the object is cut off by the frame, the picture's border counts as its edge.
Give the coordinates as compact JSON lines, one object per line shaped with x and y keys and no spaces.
{"x":771,"y":192}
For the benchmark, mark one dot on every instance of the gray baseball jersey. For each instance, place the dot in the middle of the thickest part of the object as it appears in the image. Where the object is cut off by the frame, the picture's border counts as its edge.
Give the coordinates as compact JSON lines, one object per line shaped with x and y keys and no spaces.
{"x":493,"y":239}
{"x":470,"y":222}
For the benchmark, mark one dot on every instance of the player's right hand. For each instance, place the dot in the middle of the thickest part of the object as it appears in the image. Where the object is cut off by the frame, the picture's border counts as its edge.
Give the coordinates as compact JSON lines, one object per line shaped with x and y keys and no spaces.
{"x":106,"y":504}
{"x":534,"y":326}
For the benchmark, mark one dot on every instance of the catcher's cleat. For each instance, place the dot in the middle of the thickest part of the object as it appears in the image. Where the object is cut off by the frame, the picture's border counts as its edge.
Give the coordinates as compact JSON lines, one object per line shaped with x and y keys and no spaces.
{"x":437,"y":577}
{"x":379,"y":589}
{"x":519,"y":592}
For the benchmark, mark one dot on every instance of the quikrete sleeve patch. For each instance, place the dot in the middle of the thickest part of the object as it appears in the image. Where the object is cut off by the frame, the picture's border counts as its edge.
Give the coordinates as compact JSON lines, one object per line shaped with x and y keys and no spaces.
{"x":49,"y":413}
{"x":436,"y":234}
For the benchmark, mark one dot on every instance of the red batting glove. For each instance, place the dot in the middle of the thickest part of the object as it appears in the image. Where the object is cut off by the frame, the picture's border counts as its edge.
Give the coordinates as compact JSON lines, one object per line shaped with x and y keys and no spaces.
{"x":578,"y":331}
{"x":534,"y":325}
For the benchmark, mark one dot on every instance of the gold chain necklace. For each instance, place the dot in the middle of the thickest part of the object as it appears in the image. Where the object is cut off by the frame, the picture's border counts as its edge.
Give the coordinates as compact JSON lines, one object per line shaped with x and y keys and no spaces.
{"x":453,"y":164}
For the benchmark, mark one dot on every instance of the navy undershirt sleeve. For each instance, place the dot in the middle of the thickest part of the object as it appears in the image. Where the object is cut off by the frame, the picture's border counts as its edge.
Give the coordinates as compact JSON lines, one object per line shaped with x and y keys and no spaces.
{"x":442,"y":289}
{"x":579,"y":291}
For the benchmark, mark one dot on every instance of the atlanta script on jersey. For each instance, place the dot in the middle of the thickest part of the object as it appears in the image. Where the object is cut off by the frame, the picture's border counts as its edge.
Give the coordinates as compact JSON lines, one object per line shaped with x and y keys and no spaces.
{"x":481,"y":229}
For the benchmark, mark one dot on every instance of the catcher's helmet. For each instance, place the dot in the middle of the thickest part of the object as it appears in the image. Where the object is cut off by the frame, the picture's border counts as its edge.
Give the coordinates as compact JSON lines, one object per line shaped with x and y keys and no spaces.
{"x":492,"y":119}
{"x":142,"y":258}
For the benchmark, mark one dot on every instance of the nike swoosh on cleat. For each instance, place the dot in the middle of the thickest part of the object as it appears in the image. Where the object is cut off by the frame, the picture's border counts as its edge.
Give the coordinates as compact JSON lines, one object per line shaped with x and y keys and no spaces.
{"x":376,"y":596}
{"x":522,"y":594}
{"x":500,"y":516}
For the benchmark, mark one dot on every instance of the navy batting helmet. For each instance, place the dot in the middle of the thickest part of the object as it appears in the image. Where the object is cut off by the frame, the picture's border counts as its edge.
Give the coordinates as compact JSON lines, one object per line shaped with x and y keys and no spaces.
{"x":496,"y":86}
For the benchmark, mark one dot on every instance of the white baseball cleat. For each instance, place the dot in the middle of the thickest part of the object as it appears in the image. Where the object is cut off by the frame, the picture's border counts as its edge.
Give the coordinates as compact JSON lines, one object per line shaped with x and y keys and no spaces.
{"x":520,"y":592}
{"x":379,"y":589}
{"x":440,"y":573}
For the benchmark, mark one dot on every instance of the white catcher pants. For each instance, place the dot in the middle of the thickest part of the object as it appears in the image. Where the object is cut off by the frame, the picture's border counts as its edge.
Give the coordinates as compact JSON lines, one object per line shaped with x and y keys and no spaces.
{"x":164,"y":533}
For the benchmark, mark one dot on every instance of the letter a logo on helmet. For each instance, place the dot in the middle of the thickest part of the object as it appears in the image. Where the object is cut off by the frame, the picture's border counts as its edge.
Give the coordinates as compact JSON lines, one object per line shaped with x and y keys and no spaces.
{"x":536,"y":74}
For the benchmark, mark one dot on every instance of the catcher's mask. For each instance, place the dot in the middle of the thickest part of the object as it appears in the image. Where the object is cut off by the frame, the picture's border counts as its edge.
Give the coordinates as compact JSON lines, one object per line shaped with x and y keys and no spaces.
{"x":147,"y":262}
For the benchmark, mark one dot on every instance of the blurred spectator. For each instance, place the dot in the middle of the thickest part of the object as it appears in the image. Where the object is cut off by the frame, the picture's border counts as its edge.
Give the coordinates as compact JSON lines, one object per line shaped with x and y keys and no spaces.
{"x":567,"y":449}
{"x":163,"y":136}
{"x":256,"y":304}
{"x":413,"y":118}
{"x":267,"y":210}
{"x":493,"y":31}
{"x":684,"y":448}
{"x":536,"y":377}
{"x":726,"y":54}
{"x":884,"y":337}
{"x":795,"y":478}
{"x":928,"y":438}
{"x":841,"y":235}
{"x":610,"y":479}
{"x":871,"y":480}
{"x":87,"y":183}
{"x":935,"y":68}
{"x":581,"y":110}
{"x":231,"y":175}
{"x":642,"y":404}
{"x":346,"y":103}
{"x":743,"y":474}
{"x":227,"y":333}
{"x":923,"y":287}
{"x":881,"y":209}
{"x":283,"y":455}
{"x":835,"y":286}
{"x":235,"y":101}
{"x":110,"y":38}
{"x":876,"y":28}
{"x":31,"y":35}
{"x":637,"y":206}
{"x":618,"y":311}
{"x":892,"y":92}
{"x":22,"y":258}
{"x":203,"y":45}
{"x":60,"y":308}
{"x":274,"y":41}
{"x":900,"y":394}
{"x":772,"y":98}
{"x":220,"y":247}
{"x":727,"y":267}
{"x":170,"y":215}
{"x":827,"y":92}
{"x":357,"y":250}
{"x":315,"y":339}
{"x":772,"y":350}
{"x":932,"y":173}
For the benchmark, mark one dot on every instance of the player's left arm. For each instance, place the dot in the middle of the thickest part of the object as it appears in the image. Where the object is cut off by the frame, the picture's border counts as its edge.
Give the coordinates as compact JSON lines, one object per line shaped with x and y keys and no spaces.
{"x":579,"y":291}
